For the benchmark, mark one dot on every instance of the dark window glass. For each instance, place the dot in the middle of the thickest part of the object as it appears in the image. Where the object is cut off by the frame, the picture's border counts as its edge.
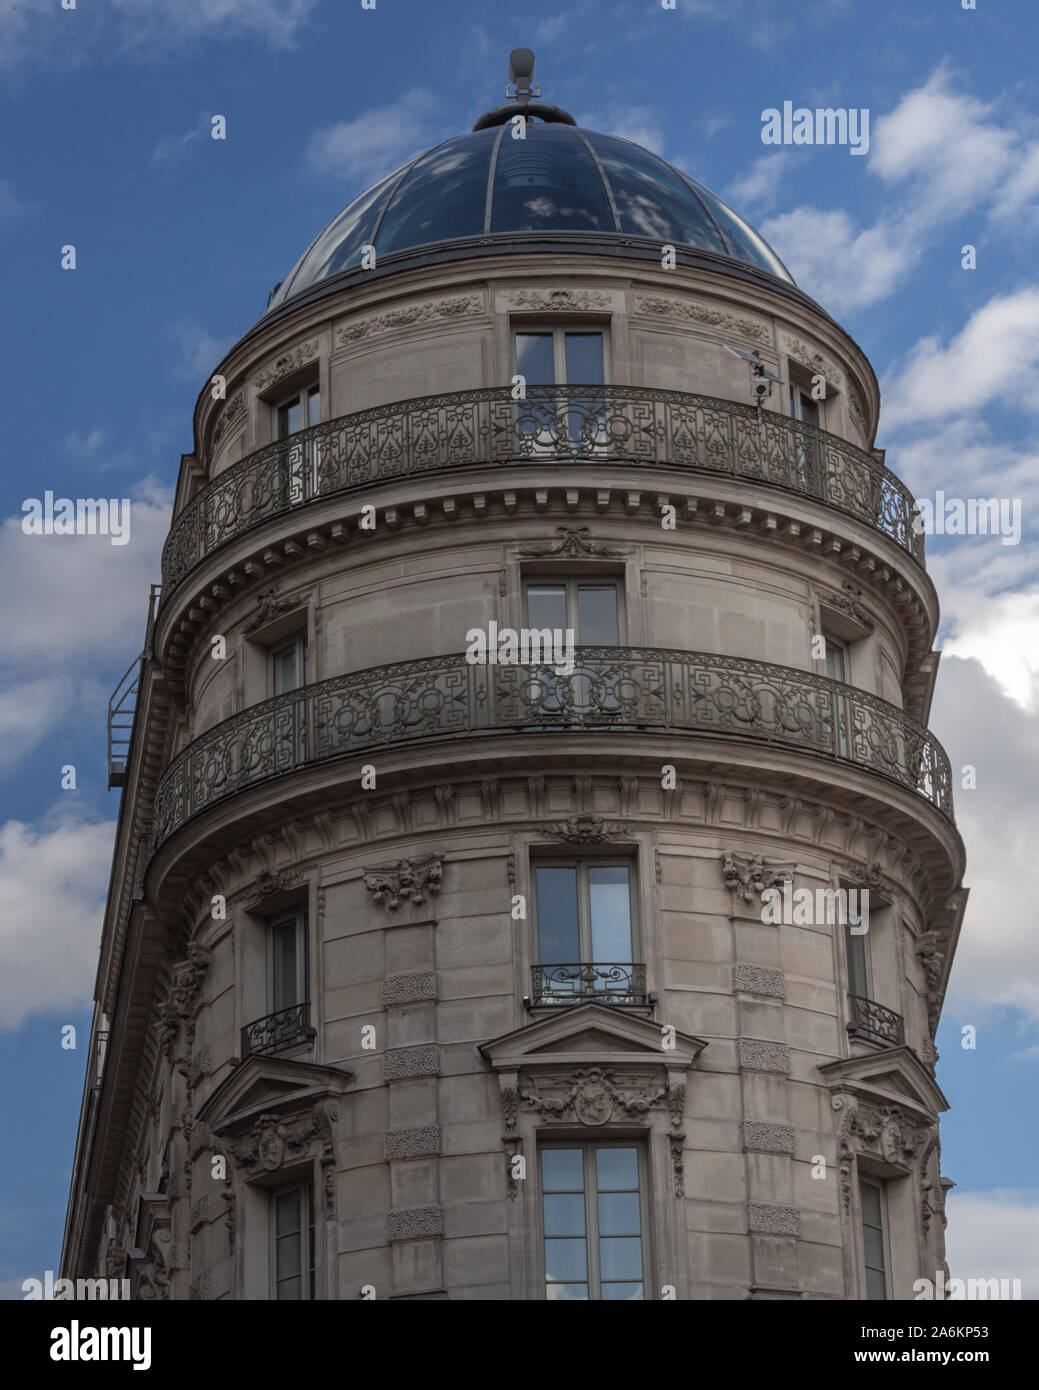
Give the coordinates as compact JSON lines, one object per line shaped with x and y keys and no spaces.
{"x":597,"y":615}
{"x":873,"y":1244}
{"x":591,"y":1211}
{"x":584,"y":359}
{"x":535,"y":358}
{"x":558,"y":931}
{"x":546,"y":606}
{"x":652,"y":199}
{"x":550,"y":181}
{"x":859,"y":981}
{"x":744,"y":241}
{"x":443,"y":196}
{"x":610,"y":908}
{"x":314,"y":406}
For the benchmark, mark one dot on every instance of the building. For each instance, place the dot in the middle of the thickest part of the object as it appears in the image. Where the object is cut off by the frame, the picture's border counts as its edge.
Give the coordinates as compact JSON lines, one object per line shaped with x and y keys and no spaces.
{"x":431,"y":977}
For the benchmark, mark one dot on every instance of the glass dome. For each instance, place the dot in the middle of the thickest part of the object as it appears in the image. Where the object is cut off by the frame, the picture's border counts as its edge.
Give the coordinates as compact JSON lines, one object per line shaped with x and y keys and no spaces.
{"x":557,"y":179}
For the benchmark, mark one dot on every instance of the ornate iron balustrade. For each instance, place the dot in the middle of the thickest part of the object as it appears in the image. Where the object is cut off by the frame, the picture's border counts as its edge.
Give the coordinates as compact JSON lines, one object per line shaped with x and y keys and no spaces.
{"x":277,"y":1030}
{"x":605,"y":982}
{"x":871,"y":1020}
{"x":572,"y":424}
{"x":625,"y":688}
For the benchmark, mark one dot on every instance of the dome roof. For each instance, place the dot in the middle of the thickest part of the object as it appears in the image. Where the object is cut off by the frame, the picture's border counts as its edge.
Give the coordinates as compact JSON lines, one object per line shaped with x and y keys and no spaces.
{"x":559,"y":179}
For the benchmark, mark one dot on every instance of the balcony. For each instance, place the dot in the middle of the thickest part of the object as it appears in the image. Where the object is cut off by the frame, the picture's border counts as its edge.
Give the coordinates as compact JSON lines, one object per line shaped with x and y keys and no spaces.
{"x":278,"y":1030}
{"x":593,"y":425}
{"x":873,"y":1022}
{"x":635,"y":689}
{"x":601,"y":982}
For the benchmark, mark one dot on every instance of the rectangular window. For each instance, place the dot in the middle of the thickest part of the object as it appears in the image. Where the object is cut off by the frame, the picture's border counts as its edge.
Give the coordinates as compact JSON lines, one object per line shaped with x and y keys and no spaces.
{"x":292,"y":1242}
{"x":590,"y":608}
{"x":287,"y":663}
{"x":860,"y":967}
{"x":561,"y":356}
{"x":593,"y":1200}
{"x":287,"y":983}
{"x":301,"y":410}
{"x":811,"y":476}
{"x":836,"y":658}
{"x":585,"y":933}
{"x":873,"y":1201}
{"x":574,"y":423}
{"x":300,"y":463}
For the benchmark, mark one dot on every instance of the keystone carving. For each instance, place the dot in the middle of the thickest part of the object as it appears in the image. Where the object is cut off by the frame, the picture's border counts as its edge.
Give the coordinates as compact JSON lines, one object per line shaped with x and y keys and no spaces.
{"x":575,"y":543}
{"x":560,"y":299}
{"x":849,"y":602}
{"x":586,"y":829}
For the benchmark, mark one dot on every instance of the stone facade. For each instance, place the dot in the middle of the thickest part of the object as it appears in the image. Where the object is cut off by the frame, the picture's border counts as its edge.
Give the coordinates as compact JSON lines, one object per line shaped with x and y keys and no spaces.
{"x":426,"y":1066}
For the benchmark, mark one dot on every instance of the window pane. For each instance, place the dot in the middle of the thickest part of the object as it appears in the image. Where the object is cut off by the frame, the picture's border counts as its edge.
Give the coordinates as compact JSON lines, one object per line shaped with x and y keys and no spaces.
{"x":443,"y":196}
{"x":653,"y":201}
{"x":617,"y":1292}
{"x":564,"y":1215}
{"x":835,"y":667}
{"x":290,"y":1290}
{"x":620,"y":1257}
{"x":314,"y":406}
{"x":287,"y":1213}
{"x":611,"y":914}
{"x":548,"y":180}
{"x":557,"y":914}
{"x":571,"y":1292}
{"x":566,"y":1260}
{"x":285,"y":984}
{"x":617,"y":1170}
{"x":873,"y":1246}
{"x":870,"y":1203}
{"x":535,"y":359}
{"x":743,"y":239}
{"x":288,"y":1254}
{"x":584,"y":359}
{"x":876,"y":1285}
{"x":858,"y":983}
{"x":597,"y":616}
{"x":562,"y":1170}
{"x":546,"y":605}
{"x":619,"y":1214}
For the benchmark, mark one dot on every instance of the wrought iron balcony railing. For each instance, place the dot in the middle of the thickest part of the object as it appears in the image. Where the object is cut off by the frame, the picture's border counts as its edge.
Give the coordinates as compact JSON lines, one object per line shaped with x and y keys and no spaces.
{"x":572,"y":424}
{"x":604,"y":982}
{"x":277,"y":1030}
{"x":871,"y":1020}
{"x":641,"y":689}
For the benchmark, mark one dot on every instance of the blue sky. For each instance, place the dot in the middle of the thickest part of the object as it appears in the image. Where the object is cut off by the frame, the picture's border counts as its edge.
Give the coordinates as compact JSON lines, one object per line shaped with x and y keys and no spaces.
{"x":106,"y":114}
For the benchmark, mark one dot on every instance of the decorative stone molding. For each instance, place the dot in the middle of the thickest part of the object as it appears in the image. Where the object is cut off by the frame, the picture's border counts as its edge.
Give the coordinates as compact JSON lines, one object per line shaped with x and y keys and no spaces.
{"x":200,"y":1289}
{"x":575,"y":543}
{"x":591,"y":1096}
{"x":586,"y":829}
{"x":423,"y":1141}
{"x":757,"y":1055}
{"x":376,"y":324}
{"x":269,"y":606}
{"x":185,"y":988}
{"x":767,"y":1138}
{"x":859,"y":875}
{"x":275,"y":1138}
{"x":773,"y":1221}
{"x":896,"y":1135}
{"x":232,"y":412}
{"x":932,"y":961}
{"x":749,"y":877}
{"x":414,"y":1223}
{"x":403,"y":1063}
{"x":663,"y":307}
{"x":812,"y":360}
{"x":268,"y":885}
{"x":415,"y":988}
{"x":560,"y":300}
{"x":408,"y":879}
{"x":754,"y":979}
{"x":849,"y":602}
{"x":286,"y":364}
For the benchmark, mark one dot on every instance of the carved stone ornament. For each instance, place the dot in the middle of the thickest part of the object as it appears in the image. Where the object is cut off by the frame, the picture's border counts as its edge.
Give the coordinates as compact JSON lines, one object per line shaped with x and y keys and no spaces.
{"x":586,"y":829}
{"x":592,"y":1096}
{"x":157,"y":1269}
{"x":408,"y":879}
{"x":268,"y":885}
{"x":269,"y":606}
{"x":377,"y":324}
{"x":661,"y":306}
{"x":575,"y":543}
{"x":749,"y":876}
{"x":892,"y":1132}
{"x":814,"y":361}
{"x":275,"y":1138}
{"x":849,"y":602}
{"x":180,"y":1004}
{"x":232,"y":412}
{"x":554,"y":300}
{"x":288,"y":363}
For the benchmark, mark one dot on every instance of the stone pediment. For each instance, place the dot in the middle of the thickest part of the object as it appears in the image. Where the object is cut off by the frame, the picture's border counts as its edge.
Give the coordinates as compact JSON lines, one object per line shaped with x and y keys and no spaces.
{"x":269,"y":1085}
{"x":894,"y":1076}
{"x":590,"y":1034}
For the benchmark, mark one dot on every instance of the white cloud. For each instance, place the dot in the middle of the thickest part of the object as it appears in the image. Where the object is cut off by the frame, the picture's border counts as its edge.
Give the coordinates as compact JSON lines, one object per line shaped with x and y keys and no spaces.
{"x":639,"y":124}
{"x":994,"y":357}
{"x":31,"y":709}
{"x":760,"y":184}
{"x":842,"y":267}
{"x":37,"y":30}
{"x":84,"y":445}
{"x":200,"y":352}
{"x":374,"y":143}
{"x":171,"y":147}
{"x":53,"y":877}
{"x":994,"y":1235}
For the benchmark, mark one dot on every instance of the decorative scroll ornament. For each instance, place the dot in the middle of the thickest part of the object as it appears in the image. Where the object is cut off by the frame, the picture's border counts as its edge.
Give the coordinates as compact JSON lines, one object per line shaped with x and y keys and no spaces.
{"x":591,"y":1096}
{"x":268,"y":885}
{"x":664,"y":307}
{"x":232,"y":412}
{"x":183,"y":996}
{"x":861,"y":875}
{"x":408,"y":879}
{"x":849,"y":602}
{"x":269,"y":606}
{"x":812,"y":360}
{"x":586,"y":829}
{"x":749,"y":877}
{"x":288,"y":363}
{"x":377,"y":324}
{"x":275,"y":1139}
{"x":576,"y":542}
{"x":560,"y":299}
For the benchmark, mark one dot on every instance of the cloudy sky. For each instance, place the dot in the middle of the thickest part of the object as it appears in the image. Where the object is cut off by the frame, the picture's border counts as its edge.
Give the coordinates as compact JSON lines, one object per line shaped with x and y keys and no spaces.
{"x":179,"y":238}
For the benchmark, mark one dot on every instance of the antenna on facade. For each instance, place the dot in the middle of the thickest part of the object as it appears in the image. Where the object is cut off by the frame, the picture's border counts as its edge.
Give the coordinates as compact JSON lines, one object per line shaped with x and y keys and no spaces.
{"x":761,"y":379}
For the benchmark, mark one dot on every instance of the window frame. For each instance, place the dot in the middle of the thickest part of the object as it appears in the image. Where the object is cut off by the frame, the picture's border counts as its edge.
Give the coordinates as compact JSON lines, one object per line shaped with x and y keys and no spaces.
{"x":592,"y":1237}
{"x":307,"y":1236}
{"x":301,"y":396}
{"x":558,"y":332}
{"x":299,"y":916}
{"x":298,"y":641}
{"x":584,"y":919}
{"x":572,"y":583}
{"x":871,"y":1180}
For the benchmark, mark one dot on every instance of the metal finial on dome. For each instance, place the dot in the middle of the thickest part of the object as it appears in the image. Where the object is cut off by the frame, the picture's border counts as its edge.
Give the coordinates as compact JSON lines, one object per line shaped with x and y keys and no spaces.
{"x":519,"y":89}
